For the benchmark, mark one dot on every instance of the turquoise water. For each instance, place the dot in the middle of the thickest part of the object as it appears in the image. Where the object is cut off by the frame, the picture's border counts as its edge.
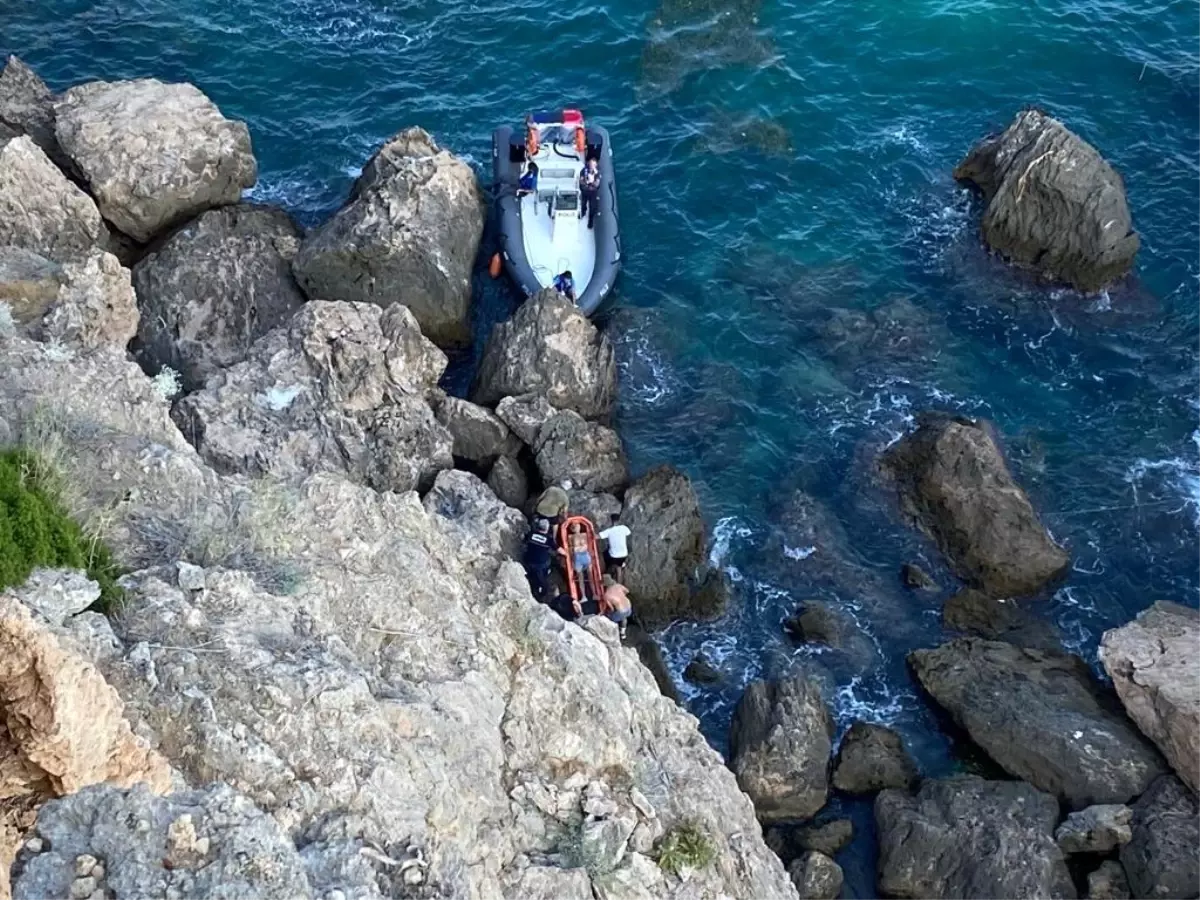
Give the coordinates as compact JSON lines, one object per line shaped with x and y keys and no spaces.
{"x":785,"y":166}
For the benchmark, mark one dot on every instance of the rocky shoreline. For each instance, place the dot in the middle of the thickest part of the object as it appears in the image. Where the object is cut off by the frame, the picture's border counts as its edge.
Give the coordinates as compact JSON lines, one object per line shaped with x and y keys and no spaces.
{"x":328,"y":677}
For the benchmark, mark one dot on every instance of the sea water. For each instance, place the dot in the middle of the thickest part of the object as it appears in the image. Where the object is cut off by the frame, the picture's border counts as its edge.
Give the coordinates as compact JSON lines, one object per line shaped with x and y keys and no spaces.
{"x":785,"y":173}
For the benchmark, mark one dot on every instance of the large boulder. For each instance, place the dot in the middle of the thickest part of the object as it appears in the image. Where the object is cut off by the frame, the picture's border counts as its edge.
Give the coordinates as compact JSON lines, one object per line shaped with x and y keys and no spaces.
{"x":873,"y":758}
{"x":1161,"y":859}
{"x":666,"y":543}
{"x":525,"y":415}
{"x":816,"y":876}
{"x":955,"y":485}
{"x":962,"y":838}
{"x":153,"y":154}
{"x":1042,"y":717}
{"x":1053,"y":204}
{"x":40,"y":210}
{"x":1155,"y":668}
{"x":480,"y":436}
{"x":781,"y":740}
{"x":587,"y":454}
{"x":408,"y":234}
{"x":341,"y":388}
{"x":551,"y":349}
{"x":1108,"y":882}
{"x":27,"y":107}
{"x":1097,"y":829}
{"x":29,"y":283}
{"x":508,"y":482}
{"x":483,"y":529}
{"x":215,"y":287}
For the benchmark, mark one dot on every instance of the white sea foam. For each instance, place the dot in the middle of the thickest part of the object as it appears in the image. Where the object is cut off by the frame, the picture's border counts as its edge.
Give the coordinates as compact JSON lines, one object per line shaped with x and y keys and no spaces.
{"x":724,"y":533}
{"x":646,"y":378}
{"x":798,"y":553}
{"x":1179,"y":476}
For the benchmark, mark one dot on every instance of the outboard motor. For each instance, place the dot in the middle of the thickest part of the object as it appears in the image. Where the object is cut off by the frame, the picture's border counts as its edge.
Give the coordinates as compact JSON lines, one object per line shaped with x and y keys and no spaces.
{"x":595,"y":144}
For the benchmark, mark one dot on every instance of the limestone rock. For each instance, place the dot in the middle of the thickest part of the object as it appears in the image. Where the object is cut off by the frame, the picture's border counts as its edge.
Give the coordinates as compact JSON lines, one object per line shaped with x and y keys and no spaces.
{"x":666,"y":543}
{"x":963,"y":838}
{"x":638,"y":878}
{"x":916,"y":579}
{"x":551,"y":349}
{"x":781,"y":741}
{"x":215,"y":287}
{"x":483,"y":529}
{"x":1160,"y":859}
{"x":95,"y":306}
{"x":955,"y":485}
{"x":828,"y":838}
{"x":525,"y":415}
{"x":153,"y":154}
{"x":480,"y":436}
{"x":40,"y":210}
{"x":817,"y":623}
{"x":57,"y":594}
{"x":1155,"y":668}
{"x":29,"y":283}
{"x":1053,"y":204}
{"x":408,"y":235}
{"x":339,"y":389}
{"x":1097,"y":829}
{"x":999,"y":619}
{"x":586,"y":453}
{"x":27,"y":107}
{"x":550,"y":883}
{"x":1041,"y":717}
{"x":816,"y":876}
{"x":599,"y":506}
{"x":1108,"y":882}
{"x":508,"y":482}
{"x":872,"y":758}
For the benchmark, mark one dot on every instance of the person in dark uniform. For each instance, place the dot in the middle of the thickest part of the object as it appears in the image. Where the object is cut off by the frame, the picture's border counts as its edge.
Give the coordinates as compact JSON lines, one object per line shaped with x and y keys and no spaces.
{"x":589,"y":191}
{"x":539,"y":556}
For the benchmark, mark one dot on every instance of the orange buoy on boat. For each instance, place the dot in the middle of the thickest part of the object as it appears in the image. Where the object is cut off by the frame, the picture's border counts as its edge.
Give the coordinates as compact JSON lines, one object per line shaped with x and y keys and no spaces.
{"x":580,"y":139}
{"x":495,"y":267}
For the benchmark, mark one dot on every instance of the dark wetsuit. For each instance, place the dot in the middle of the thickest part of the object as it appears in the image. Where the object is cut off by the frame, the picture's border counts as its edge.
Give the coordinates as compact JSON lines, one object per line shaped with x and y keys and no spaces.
{"x":539,"y":554}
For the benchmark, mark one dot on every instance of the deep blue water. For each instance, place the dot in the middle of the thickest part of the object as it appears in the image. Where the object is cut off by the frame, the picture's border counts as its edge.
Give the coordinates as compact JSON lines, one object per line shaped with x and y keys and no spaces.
{"x":784,"y":166}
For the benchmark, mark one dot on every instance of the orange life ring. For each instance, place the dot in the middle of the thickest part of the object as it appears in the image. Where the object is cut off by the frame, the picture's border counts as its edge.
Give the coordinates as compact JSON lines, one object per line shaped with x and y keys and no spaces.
{"x":494,"y":266}
{"x":532,"y":141}
{"x":580,"y":139}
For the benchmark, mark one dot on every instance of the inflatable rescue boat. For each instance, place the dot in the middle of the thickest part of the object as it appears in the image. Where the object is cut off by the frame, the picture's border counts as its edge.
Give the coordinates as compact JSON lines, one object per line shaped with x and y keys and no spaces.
{"x":542,"y":231}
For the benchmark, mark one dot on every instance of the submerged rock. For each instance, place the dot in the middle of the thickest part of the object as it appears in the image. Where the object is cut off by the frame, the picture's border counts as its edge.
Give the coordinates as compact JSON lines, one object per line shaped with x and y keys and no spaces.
{"x":215,"y":287}
{"x":153,"y":154}
{"x":955,"y":485}
{"x":974,"y":612}
{"x":408,"y":235}
{"x":1053,"y":204}
{"x":819,"y":623}
{"x":1097,"y":829}
{"x":700,"y":671}
{"x":40,"y":210}
{"x":1155,"y":668}
{"x":816,"y":876}
{"x":964,"y":838}
{"x":781,"y":740}
{"x":338,"y":389}
{"x":586,"y":453}
{"x":872,"y":758}
{"x":1041,"y":717}
{"x":915,"y":578}
{"x":549,"y":349}
{"x":1161,"y":859}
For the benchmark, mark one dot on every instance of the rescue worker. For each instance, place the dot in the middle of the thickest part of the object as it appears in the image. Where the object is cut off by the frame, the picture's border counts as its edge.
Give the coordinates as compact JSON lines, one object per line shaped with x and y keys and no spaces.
{"x":589,"y":190}
{"x":616,"y":603}
{"x":539,"y":555}
{"x":529,"y":181}
{"x":616,"y":548}
{"x":553,"y":504}
{"x":565,"y":285}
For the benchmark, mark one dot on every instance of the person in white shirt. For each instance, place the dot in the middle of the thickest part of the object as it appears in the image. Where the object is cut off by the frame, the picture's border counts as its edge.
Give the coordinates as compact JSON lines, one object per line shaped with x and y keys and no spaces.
{"x":616,"y":549}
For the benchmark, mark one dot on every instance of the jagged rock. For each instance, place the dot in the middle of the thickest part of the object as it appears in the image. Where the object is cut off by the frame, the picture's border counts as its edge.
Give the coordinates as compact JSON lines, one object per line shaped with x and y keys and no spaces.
{"x":338,"y":389}
{"x":40,"y":210}
{"x":387,"y":692}
{"x":484,"y":530}
{"x":600,"y":507}
{"x":29,"y":283}
{"x":525,"y":415}
{"x":586,"y":453}
{"x":638,"y":878}
{"x":974,"y":612}
{"x":701,"y":671}
{"x":57,"y":594}
{"x":480,"y":436}
{"x":819,"y":623}
{"x":916,"y":579}
{"x":1160,"y":859}
{"x":1096,"y":829}
{"x":666,"y":544}
{"x":963,"y":837}
{"x":1156,"y":671}
{"x":603,"y":842}
{"x":1041,"y":717}
{"x":816,"y":876}
{"x":551,"y":349}
{"x":215,"y":287}
{"x":27,"y":107}
{"x":828,"y":838}
{"x":954,"y":484}
{"x":873,"y":758}
{"x":551,"y":883}
{"x":507,"y":480}
{"x":781,"y":740}
{"x":201,"y":843}
{"x":651,"y":656}
{"x":153,"y":154}
{"x":1053,"y":204}
{"x":95,"y":306}
{"x":90,"y":635}
{"x":1108,"y":882}
{"x":408,"y":235}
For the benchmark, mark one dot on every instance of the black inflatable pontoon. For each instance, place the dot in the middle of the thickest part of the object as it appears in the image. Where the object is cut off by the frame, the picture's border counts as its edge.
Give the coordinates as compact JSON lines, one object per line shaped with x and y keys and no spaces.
{"x":541,"y":232}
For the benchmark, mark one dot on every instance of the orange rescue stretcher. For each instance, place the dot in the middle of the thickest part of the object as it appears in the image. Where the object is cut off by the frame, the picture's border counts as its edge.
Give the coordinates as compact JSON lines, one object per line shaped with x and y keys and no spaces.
{"x":579,"y":590}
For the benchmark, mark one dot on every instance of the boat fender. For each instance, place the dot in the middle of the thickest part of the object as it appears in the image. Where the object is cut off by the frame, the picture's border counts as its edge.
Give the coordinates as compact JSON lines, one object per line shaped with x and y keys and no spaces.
{"x":580,"y":139}
{"x":494,"y":267}
{"x":532,"y":142}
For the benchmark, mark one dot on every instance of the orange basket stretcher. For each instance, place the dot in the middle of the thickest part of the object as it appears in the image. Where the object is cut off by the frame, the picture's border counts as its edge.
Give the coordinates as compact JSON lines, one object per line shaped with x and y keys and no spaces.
{"x":575,"y":580}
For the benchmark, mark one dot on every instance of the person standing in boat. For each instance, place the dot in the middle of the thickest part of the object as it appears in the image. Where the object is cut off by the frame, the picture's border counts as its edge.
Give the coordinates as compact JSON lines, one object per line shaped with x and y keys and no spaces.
{"x":589,"y":190}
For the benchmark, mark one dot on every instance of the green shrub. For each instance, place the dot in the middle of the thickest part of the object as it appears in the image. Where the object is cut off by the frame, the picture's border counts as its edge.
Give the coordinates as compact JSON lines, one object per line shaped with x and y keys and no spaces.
{"x":35,"y":530}
{"x":684,"y":846}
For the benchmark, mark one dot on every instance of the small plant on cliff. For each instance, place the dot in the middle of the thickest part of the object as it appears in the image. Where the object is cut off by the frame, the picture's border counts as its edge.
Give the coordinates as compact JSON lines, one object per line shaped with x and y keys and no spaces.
{"x":685,"y":846}
{"x":36,"y":531}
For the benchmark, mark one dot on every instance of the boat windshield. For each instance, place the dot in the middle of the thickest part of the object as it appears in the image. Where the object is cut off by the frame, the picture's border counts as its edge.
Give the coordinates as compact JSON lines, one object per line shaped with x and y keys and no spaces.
{"x":558,"y":134}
